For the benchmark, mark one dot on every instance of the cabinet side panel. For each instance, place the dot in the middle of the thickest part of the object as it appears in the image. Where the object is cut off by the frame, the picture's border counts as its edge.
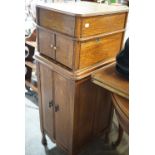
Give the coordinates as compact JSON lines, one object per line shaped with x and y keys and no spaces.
{"x":84,"y":113}
{"x":56,"y":21}
{"x":103,"y":110}
{"x":91,"y":112}
{"x":47,"y":97}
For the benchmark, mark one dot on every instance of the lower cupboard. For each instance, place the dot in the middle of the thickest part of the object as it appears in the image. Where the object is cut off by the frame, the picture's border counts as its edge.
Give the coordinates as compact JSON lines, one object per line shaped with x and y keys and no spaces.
{"x":72,"y":112}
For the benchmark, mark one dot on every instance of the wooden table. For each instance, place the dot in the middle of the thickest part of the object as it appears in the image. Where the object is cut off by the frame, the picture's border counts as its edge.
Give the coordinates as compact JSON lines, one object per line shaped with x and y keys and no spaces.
{"x":114,"y":82}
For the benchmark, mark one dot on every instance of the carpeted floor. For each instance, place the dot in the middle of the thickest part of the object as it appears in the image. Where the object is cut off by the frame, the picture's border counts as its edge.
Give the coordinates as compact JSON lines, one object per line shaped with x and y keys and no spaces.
{"x":33,"y":144}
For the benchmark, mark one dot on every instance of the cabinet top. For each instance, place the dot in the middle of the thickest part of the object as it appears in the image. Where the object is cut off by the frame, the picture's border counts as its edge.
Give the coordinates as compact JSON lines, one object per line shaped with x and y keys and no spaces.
{"x":83,"y":8}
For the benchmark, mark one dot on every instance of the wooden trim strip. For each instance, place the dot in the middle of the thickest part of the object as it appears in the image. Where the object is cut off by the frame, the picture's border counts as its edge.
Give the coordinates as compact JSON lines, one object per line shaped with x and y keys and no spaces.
{"x":100,"y":35}
{"x":84,"y":38}
{"x":65,"y":72}
{"x":54,"y":66}
{"x":114,"y":90}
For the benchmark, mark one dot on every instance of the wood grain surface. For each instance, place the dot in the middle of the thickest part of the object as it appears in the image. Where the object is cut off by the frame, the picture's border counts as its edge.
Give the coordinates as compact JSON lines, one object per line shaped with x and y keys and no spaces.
{"x":80,"y":111}
{"x":111,"y":80}
{"x":100,"y":49}
{"x":102,"y":24}
{"x":121,"y":106}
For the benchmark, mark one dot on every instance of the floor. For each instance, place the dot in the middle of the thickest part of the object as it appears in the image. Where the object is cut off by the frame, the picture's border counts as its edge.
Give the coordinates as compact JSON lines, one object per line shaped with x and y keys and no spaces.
{"x":33,"y":144}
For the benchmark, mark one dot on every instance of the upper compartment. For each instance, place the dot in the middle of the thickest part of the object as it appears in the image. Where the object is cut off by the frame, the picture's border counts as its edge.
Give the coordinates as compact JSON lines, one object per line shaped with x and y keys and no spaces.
{"x":81,"y":19}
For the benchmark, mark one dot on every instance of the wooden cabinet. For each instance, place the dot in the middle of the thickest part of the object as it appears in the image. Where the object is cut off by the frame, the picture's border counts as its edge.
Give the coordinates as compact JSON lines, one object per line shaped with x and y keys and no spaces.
{"x":77,"y":39}
{"x":73,"y":41}
{"x":73,"y":111}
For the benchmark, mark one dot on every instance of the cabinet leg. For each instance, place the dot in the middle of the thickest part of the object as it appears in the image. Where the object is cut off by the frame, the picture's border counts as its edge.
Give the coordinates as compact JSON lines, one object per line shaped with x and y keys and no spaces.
{"x":119,"y":138}
{"x":44,"y":141}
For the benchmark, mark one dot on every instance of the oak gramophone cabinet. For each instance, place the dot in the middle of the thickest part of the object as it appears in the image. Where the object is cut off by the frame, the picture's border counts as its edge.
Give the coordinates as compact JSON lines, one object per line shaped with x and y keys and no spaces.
{"x":73,"y":41}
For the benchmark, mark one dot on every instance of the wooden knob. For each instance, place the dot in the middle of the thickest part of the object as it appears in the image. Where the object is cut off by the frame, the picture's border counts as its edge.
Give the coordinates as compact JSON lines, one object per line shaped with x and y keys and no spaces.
{"x":51,"y":45}
{"x":54,"y":47}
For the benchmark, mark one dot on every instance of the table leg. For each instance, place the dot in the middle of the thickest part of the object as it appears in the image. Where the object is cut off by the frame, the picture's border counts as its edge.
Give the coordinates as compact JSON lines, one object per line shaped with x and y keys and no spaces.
{"x":119,"y":138}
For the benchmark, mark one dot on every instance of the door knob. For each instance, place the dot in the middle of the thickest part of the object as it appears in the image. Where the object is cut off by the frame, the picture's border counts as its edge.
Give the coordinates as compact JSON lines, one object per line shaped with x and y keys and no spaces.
{"x":54,"y":47}
{"x":51,"y":45}
{"x":51,"y":104}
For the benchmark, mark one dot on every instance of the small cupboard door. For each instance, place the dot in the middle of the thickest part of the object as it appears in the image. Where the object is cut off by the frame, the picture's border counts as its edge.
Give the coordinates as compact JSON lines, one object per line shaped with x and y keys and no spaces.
{"x":63,"y":109}
{"x":64,"y":50}
{"x":46,"y":43}
{"x":46,"y":84}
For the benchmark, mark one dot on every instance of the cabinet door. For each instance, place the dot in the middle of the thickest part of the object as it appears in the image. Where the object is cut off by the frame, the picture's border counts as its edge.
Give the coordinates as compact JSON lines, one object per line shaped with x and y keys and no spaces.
{"x":64,"y":50}
{"x":63,"y":112}
{"x":46,"y":43}
{"x":46,"y":84}
{"x":96,"y":50}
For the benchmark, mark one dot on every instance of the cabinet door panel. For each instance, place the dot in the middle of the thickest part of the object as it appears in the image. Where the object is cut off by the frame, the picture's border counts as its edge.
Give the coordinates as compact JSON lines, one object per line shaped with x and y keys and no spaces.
{"x":100,"y":49}
{"x":62,"y":116}
{"x":103,"y":24}
{"x":64,"y":51}
{"x":46,"y":43}
{"x":46,"y":81}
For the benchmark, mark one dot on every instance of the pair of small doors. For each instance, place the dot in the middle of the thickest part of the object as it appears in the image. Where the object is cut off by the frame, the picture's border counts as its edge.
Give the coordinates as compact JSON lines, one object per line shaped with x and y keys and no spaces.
{"x":55,"y":105}
{"x":56,"y":46}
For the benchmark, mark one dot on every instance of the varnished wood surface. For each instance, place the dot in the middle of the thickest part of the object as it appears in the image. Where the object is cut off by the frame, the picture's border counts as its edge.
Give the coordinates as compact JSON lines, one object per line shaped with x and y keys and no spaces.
{"x":121,"y":106}
{"x":78,"y":55}
{"x":80,"y":42}
{"x":80,"y":110}
{"x":99,"y":49}
{"x":118,"y":86}
{"x":80,"y":27}
{"x":74,"y":75}
{"x":46,"y":42}
{"x":56,"y":21}
{"x":92,"y":112}
{"x":64,"y":98}
{"x":103,"y":24}
{"x":79,"y":8}
{"x":79,"y":38}
{"x":46,"y":82}
{"x":64,"y":51}
{"x":112,"y":81}
{"x":79,"y":117}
